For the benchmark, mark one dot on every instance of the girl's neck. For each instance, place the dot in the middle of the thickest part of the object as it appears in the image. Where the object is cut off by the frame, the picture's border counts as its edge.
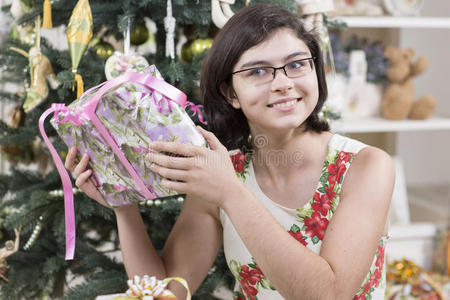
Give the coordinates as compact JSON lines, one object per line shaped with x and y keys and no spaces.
{"x":283,"y":155}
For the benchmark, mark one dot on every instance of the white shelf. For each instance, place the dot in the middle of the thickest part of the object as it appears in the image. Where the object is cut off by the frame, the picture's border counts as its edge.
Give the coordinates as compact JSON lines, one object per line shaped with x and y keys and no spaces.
{"x":378,"y":124}
{"x":396,"y":22}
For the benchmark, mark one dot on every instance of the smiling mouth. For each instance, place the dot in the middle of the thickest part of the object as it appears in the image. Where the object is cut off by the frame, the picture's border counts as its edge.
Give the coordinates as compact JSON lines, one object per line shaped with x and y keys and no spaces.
{"x":285,"y":104}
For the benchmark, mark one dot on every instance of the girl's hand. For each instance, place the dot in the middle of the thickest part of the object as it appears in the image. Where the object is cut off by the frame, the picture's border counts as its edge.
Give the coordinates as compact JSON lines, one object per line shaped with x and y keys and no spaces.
{"x":83,"y":182}
{"x":202,"y":173}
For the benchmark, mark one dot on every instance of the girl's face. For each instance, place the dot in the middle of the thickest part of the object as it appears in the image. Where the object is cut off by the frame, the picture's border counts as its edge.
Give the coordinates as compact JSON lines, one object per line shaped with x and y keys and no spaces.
{"x":283,"y":102}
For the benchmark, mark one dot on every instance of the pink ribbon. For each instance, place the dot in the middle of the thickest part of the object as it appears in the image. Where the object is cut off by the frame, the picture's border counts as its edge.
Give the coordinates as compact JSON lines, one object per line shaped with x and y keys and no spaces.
{"x":89,"y":109}
{"x":67,"y":187}
{"x":196,"y":110}
{"x":70,"y":116}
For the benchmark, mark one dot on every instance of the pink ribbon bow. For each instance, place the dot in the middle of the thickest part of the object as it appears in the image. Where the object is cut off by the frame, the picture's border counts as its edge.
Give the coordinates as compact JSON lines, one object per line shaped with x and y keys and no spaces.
{"x":196,"y":110}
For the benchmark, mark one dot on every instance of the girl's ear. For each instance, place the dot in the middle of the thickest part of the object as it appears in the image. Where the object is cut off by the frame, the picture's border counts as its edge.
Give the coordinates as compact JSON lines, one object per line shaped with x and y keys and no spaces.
{"x":230,"y":95}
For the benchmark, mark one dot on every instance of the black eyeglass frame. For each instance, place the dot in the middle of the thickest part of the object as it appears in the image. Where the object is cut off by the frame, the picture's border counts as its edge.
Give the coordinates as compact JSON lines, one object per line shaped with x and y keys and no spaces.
{"x":275,"y":69}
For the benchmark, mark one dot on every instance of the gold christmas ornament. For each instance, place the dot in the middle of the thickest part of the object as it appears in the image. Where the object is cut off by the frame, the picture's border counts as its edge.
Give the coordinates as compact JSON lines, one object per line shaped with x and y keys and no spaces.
{"x":139,"y":34}
{"x":200,"y":45}
{"x":103,"y":50}
{"x":195,"y":47}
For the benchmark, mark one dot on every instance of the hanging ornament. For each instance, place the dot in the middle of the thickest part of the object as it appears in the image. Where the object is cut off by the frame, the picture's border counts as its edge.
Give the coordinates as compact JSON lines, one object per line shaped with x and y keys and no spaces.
{"x":79,"y":33}
{"x":139,"y":34}
{"x":47,"y":9}
{"x":198,"y":46}
{"x":149,"y":47}
{"x":16,"y":153}
{"x":221,"y":12}
{"x":36,"y":231}
{"x":9,"y":249}
{"x":25,"y":33}
{"x":313,"y":13}
{"x":195,"y":47}
{"x":103,"y":50}
{"x":26,"y":153}
{"x":169,"y":26}
{"x":120,"y":63}
{"x":41,"y":71}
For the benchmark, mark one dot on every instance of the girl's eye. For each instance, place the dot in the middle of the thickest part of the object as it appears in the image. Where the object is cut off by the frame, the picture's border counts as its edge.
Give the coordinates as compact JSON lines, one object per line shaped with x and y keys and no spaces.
{"x":298,"y":64}
{"x":258,"y":72}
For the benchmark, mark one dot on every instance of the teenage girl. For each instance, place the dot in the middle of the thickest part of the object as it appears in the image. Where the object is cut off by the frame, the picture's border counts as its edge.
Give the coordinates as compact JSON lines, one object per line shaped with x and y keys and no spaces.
{"x":305,"y":217}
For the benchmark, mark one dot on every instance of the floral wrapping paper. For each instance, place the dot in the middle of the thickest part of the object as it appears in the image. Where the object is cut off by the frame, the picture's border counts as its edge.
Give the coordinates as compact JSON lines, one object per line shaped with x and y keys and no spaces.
{"x":134,"y":115}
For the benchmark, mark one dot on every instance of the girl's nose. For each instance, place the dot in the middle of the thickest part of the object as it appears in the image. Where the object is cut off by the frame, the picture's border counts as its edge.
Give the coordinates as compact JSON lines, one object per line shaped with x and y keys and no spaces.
{"x":281,"y":82}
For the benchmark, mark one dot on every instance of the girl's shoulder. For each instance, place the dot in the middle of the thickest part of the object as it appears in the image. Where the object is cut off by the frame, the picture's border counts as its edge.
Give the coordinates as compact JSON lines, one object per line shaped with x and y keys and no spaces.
{"x":346,"y":144}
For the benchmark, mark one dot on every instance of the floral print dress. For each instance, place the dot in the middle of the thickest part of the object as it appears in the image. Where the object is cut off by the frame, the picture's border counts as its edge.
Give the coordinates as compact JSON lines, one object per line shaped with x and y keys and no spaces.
{"x":306,"y":224}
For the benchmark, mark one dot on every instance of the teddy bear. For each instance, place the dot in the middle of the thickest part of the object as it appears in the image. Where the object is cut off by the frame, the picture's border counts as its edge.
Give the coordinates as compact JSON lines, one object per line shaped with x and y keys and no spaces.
{"x":399,"y":97}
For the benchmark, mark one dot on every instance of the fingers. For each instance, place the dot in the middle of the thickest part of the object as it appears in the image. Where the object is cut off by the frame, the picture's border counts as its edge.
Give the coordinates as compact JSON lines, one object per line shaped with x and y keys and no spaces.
{"x":186,"y":150}
{"x":169,"y":173}
{"x":182,"y":163}
{"x":82,"y":178}
{"x":180,"y":187}
{"x":212,"y":140}
{"x":70,"y":161}
{"x":82,"y":165}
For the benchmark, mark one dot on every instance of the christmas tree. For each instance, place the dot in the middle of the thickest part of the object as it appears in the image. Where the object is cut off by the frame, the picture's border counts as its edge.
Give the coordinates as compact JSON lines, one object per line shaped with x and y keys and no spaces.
{"x":32,"y":263}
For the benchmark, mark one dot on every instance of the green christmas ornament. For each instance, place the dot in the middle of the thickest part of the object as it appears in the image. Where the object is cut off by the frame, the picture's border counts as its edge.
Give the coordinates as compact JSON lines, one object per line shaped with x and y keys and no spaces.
{"x":195,"y":47}
{"x":139,"y":34}
{"x":200,"y":45}
{"x":103,"y":50}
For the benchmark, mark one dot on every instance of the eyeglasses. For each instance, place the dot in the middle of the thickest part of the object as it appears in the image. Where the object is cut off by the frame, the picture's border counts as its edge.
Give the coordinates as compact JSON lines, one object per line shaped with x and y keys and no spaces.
{"x":293,"y":69}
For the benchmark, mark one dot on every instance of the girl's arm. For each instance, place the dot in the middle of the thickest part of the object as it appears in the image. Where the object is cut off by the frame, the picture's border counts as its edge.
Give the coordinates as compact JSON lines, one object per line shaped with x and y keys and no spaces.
{"x":189,"y":251}
{"x":351,"y":238}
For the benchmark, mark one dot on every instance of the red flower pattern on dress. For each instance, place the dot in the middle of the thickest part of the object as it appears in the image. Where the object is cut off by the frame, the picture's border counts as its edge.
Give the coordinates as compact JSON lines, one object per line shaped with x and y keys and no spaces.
{"x":249,"y":290}
{"x":329,"y":191}
{"x":238,"y":161}
{"x":344,"y":156}
{"x":251,"y":275}
{"x":335,"y":170}
{"x":249,"y":278}
{"x":322,"y":203}
{"x":380,"y":259}
{"x":298,"y":236}
{"x":375,"y":278}
{"x":315,"y":225}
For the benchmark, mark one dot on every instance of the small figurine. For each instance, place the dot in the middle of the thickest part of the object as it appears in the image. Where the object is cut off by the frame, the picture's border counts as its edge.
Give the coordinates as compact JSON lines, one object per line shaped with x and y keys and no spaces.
{"x":9,"y":249}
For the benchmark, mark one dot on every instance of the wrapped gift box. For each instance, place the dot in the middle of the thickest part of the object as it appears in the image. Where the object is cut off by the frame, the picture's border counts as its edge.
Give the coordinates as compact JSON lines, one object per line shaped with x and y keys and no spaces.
{"x":114,"y":123}
{"x":134,"y":114}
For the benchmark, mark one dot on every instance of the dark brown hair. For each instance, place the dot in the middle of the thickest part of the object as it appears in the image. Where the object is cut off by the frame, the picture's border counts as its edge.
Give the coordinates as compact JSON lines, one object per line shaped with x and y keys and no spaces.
{"x":247,"y":28}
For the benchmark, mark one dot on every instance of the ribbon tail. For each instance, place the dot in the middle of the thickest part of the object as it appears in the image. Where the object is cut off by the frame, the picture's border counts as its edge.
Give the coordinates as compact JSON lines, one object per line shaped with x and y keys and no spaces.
{"x":47,"y":23}
{"x":67,"y":187}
